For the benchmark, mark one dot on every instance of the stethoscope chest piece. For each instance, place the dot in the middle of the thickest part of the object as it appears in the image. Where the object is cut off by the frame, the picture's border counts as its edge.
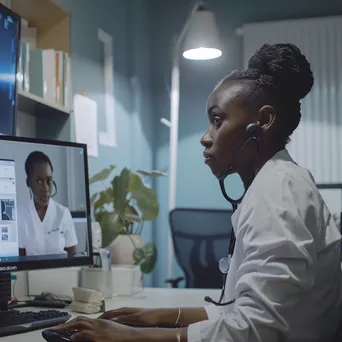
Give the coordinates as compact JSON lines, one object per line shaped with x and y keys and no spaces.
{"x":224,"y":265}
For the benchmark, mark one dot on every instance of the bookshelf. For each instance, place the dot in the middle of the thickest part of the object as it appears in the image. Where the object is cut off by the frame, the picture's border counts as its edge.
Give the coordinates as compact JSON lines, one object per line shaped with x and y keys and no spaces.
{"x":37,"y":117}
{"x":36,"y":105}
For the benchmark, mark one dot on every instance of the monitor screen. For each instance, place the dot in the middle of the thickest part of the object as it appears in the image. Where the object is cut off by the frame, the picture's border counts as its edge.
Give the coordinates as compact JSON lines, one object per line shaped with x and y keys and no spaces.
{"x":9,"y":42}
{"x":41,"y":185}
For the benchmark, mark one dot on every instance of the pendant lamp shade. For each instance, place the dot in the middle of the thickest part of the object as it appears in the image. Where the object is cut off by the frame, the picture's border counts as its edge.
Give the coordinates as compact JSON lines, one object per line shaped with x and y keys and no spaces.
{"x":202,"y":40}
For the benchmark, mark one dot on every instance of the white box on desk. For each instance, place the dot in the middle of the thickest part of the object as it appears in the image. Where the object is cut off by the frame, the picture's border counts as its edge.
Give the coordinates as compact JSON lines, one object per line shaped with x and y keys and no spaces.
{"x":126,"y":280}
{"x":59,"y":281}
{"x":98,"y":279}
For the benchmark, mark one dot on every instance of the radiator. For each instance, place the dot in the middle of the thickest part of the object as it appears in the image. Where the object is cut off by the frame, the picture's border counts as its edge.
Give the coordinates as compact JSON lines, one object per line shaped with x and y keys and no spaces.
{"x":317,"y":142}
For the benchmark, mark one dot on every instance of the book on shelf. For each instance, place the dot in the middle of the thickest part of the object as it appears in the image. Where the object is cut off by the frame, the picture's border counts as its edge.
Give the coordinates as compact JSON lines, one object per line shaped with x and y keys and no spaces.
{"x":45,"y":73}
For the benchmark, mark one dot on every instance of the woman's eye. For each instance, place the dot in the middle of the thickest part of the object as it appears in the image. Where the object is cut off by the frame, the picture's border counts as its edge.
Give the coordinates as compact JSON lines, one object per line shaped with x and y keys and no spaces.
{"x":217,"y":121}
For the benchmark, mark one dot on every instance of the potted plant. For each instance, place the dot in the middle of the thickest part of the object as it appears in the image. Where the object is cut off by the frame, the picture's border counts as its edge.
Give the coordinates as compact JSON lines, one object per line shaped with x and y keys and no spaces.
{"x":121,"y":209}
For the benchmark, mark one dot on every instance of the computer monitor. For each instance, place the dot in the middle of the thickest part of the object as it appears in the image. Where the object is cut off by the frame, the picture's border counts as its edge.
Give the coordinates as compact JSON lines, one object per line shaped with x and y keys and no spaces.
{"x":9,"y":56}
{"x":41,"y":184}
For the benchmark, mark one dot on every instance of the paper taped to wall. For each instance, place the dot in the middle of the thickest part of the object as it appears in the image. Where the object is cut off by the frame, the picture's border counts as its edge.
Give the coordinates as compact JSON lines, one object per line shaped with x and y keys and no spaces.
{"x":108,"y":137}
{"x":85,"y":113}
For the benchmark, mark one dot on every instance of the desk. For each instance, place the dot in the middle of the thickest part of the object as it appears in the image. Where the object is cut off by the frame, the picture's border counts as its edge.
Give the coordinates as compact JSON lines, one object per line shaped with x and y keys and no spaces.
{"x":149,"y":298}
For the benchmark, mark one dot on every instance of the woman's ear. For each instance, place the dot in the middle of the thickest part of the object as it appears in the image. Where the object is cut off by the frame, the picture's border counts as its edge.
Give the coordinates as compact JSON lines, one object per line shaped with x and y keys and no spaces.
{"x":266,"y":117}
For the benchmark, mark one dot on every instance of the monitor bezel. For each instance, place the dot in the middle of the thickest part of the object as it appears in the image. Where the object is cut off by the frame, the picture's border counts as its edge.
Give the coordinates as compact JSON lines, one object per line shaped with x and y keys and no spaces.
{"x":54,"y":263}
{"x":7,"y":11}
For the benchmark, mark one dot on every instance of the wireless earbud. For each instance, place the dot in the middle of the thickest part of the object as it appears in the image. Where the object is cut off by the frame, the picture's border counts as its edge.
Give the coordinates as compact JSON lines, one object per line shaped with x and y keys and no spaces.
{"x":253,"y":130}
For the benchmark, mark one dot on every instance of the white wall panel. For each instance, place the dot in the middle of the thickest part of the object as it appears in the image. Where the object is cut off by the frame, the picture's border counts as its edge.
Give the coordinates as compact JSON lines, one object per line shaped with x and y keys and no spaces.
{"x":317,"y":142}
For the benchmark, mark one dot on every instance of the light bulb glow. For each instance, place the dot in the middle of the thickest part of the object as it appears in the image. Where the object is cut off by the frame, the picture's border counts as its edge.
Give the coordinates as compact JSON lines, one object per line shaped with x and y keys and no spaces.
{"x":202,"y":53}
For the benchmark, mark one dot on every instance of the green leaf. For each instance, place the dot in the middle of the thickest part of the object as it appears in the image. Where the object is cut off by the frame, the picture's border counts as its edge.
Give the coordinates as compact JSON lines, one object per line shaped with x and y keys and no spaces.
{"x":138,"y":255}
{"x":153,"y":173}
{"x":145,"y":197}
{"x":120,"y":184}
{"x":146,"y":257}
{"x":135,"y":183}
{"x":132,"y":215}
{"x":147,"y":203}
{"x":111,"y":226}
{"x":102,"y":175}
{"x":105,"y":197}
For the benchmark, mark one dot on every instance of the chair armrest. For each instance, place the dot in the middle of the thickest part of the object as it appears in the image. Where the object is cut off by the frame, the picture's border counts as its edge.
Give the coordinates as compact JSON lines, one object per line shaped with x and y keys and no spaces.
{"x":174,"y":281}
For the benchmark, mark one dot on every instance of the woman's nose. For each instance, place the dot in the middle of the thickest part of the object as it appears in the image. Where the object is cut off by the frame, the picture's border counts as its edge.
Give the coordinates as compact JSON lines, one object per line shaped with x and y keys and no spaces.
{"x":206,"y":140}
{"x":45,"y":187}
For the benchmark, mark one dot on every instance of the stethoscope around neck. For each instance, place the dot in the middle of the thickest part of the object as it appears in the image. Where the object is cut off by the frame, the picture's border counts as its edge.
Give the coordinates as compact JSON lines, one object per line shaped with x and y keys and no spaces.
{"x":226,"y":172}
{"x":253,"y":132}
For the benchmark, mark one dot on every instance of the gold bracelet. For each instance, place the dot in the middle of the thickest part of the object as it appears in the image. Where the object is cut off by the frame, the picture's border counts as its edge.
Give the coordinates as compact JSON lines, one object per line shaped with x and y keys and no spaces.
{"x":178,"y":336}
{"x":177,"y":320}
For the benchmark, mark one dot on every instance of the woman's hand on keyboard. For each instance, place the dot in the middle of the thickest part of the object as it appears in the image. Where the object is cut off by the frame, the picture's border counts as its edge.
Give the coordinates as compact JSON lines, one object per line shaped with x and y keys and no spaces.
{"x":162,"y":317}
{"x":99,"y":330}
{"x":139,"y":317}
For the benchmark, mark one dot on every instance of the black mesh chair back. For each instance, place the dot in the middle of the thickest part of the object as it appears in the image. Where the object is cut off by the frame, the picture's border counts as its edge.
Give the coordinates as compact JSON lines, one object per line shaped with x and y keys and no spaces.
{"x":201,"y":238}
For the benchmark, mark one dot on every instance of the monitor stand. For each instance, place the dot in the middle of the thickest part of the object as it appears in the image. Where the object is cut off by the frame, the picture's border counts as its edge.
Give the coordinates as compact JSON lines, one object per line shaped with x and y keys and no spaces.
{"x":5,"y":290}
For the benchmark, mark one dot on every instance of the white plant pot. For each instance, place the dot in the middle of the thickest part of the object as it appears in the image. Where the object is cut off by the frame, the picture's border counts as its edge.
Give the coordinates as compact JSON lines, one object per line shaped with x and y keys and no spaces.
{"x":122,"y":249}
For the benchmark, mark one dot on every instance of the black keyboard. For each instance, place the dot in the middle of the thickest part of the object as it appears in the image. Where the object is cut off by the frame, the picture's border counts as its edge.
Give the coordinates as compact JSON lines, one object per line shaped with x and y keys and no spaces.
{"x":15,"y":322}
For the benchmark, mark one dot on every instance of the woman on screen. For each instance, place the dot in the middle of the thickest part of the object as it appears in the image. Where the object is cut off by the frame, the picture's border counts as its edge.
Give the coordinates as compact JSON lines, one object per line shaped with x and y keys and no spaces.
{"x":45,"y":226}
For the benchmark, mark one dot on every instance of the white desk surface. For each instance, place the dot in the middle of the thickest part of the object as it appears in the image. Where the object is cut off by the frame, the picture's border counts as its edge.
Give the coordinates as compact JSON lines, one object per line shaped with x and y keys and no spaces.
{"x":149,"y":298}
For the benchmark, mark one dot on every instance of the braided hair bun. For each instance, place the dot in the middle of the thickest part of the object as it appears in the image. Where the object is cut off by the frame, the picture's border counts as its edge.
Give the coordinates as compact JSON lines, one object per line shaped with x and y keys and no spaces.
{"x":277,"y":75}
{"x":287,"y":67}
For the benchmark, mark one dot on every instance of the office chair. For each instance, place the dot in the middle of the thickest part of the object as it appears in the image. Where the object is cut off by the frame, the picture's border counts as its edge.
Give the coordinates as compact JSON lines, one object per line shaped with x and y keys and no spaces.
{"x":200,"y":239}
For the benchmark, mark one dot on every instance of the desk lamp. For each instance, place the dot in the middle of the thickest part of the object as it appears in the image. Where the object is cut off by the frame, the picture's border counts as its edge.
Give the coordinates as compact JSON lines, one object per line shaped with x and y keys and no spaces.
{"x":199,"y":40}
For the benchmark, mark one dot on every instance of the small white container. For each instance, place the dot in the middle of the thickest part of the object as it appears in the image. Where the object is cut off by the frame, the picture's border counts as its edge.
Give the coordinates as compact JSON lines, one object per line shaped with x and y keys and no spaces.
{"x":126,"y":280}
{"x":99,"y":279}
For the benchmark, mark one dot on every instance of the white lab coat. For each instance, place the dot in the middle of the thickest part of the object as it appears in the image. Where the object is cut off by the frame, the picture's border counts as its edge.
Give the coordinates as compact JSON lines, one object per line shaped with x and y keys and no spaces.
{"x":50,"y":236}
{"x":285,"y":272}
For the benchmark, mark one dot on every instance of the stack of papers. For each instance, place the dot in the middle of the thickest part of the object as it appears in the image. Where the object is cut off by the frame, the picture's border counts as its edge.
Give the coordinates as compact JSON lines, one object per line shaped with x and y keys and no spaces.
{"x":87,"y":301}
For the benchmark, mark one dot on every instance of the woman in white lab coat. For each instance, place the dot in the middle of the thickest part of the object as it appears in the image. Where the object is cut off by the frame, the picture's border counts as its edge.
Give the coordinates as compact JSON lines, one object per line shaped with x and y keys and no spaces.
{"x":285,"y":274}
{"x":45,"y":227}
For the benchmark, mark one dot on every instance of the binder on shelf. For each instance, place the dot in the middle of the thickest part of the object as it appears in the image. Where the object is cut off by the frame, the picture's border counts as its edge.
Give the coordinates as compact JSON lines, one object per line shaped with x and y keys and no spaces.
{"x":43,"y":74}
{"x":50,"y":76}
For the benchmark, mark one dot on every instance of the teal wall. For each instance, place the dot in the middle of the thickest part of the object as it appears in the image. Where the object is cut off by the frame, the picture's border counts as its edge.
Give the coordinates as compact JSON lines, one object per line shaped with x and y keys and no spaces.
{"x":127,"y":22}
{"x":196,"y":187}
{"x":142,"y":32}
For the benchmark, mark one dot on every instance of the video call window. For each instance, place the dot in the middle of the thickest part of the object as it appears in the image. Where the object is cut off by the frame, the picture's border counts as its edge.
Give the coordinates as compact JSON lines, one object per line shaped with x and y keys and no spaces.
{"x":40,"y":189}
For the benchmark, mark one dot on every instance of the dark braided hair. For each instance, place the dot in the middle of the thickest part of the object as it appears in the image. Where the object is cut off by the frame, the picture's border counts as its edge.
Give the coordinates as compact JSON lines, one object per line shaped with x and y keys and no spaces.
{"x":36,"y":157}
{"x":280,"y":76}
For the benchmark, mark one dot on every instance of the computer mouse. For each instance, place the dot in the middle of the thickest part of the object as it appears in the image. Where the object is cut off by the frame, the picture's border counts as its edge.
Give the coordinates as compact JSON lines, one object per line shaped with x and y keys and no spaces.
{"x":52,"y":335}
{"x":46,"y":296}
